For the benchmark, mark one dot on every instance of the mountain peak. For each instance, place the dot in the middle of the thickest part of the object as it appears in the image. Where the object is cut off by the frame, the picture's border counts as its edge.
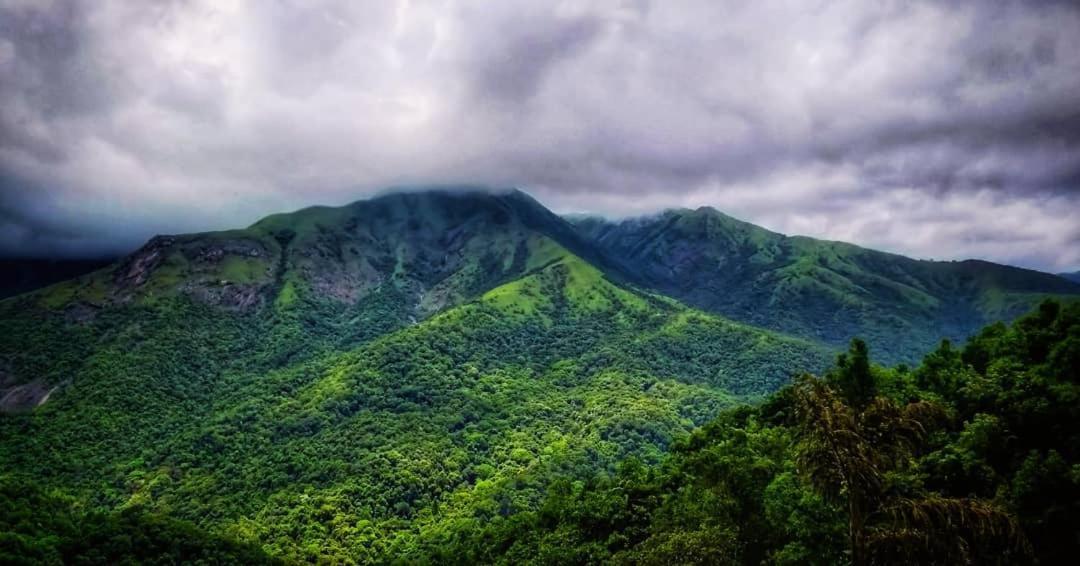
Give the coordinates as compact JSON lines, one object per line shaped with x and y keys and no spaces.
{"x":430,"y":248}
{"x":435,"y":247}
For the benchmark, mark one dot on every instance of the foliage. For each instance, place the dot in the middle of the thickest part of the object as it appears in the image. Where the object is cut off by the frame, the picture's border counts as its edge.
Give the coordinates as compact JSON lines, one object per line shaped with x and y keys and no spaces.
{"x":41,"y":528}
{"x":348,"y":435}
{"x":486,"y":436}
{"x":908,"y":475}
{"x":442,"y":379}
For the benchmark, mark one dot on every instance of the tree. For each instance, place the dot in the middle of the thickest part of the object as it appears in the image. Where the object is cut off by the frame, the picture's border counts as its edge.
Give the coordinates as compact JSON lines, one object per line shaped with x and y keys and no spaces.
{"x":851,"y":455}
{"x":853,"y":375}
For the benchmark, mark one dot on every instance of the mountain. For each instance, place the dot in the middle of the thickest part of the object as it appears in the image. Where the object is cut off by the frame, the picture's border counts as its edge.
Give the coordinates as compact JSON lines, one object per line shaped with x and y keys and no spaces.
{"x":820,"y":290}
{"x":1074,"y":276}
{"x":338,"y":383}
{"x":364,"y":383}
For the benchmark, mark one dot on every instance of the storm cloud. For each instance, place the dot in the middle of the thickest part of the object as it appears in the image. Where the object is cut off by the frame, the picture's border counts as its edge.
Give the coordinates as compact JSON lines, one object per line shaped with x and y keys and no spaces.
{"x":935,"y":129}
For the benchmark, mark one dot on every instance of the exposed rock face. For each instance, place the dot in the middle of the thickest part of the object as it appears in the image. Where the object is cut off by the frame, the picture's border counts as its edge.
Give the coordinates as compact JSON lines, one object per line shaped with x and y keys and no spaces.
{"x":204,"y":253}
{"x":231,"y":296}
{"x":22,"y":397}
{"x":137,"y":268}
{"x":218,"y":269}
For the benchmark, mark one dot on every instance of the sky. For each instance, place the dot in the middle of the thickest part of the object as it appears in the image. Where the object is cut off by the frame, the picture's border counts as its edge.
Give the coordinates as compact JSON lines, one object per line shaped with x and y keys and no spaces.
{"x":941,"y":130}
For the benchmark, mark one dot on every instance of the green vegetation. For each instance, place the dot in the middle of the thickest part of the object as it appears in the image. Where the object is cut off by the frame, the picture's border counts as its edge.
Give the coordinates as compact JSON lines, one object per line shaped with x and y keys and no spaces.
{"x":441,"y":378}
{"x":819,"y":290}
{"x":320,"y":433}
{"x":972,"y":457}
{"x":44,"y":528}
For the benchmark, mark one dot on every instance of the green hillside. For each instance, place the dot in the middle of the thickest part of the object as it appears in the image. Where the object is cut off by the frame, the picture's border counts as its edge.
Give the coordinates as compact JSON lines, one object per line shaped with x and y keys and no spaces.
{"x":821,"y":290}
{"x":969,"y":458}
{"x":389,"y":380}
{"x":438,"y":248}
{"x":312,"y":428}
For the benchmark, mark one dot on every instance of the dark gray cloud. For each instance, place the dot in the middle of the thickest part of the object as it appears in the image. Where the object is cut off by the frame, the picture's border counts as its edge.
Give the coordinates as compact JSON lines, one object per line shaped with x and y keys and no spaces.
{"x":931,"y":128}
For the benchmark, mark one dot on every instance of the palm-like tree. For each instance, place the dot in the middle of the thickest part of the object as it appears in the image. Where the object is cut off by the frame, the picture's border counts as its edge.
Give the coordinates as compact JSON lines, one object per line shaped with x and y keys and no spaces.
{"x":847,"y":453}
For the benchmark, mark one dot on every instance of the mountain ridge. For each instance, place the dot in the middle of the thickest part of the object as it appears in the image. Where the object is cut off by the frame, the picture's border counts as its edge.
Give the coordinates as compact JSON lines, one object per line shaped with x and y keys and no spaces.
{"x":302,"y":430}
{"x":819,"y":289}
{"x":443,"y":246}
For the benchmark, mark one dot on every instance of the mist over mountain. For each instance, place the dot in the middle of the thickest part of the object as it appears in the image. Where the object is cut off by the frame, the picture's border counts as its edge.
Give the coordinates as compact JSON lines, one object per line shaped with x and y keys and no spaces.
{"x":933,"y":129}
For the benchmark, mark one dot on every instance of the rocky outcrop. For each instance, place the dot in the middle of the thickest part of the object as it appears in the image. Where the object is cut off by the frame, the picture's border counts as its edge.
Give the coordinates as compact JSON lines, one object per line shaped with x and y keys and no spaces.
{"x":22,"y":396}
{"x":225,"y":294}
{"x":139,"y":266}
{"x":197,"y":266}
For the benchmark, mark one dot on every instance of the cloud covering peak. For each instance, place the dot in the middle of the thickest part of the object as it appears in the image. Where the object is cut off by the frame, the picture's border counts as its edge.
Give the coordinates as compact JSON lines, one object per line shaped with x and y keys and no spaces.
{"x":936,"y":129}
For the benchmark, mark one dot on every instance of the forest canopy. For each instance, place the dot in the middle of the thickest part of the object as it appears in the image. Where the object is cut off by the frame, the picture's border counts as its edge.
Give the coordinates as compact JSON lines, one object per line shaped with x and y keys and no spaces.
{"x":969,"y":457}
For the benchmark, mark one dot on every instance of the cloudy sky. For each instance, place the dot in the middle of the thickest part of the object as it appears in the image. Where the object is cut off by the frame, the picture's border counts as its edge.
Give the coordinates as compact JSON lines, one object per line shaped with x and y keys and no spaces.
{"x":936,"y":129}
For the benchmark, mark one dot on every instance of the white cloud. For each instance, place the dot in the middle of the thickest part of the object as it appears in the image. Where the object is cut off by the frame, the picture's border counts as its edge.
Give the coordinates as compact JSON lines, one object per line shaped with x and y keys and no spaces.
{"x":846,"y":120}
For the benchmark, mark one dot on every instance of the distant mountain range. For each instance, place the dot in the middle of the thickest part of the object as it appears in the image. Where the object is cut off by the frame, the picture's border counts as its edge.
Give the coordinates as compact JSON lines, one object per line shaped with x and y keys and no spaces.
{"x":1074,"y":276}
{"x":334,"y":383}
{"x":816,"y":289}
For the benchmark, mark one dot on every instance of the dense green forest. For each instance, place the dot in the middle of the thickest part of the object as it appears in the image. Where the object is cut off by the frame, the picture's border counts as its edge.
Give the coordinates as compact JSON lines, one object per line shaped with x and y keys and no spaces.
{"x":284,"y":432}
{"x":969,"y":457}
{"x":450,"y":378}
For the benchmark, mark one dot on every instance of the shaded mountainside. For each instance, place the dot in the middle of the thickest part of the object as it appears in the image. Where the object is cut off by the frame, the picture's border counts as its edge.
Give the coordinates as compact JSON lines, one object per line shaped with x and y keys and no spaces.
{"x":822,"y":290}
{"x":42,"y":528}
{"x":1074,"y":276}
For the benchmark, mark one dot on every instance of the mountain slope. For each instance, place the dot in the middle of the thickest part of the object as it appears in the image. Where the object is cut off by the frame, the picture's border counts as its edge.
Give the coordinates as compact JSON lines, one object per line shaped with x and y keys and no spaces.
{"x":355,"y":455}
{"x":828,"y":291}
{"x":1074,"y":276}
{"x":339,"y":384}
{"x":325,"y":278}
{"x":437,"y":247}
{"x":356,"y":384}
